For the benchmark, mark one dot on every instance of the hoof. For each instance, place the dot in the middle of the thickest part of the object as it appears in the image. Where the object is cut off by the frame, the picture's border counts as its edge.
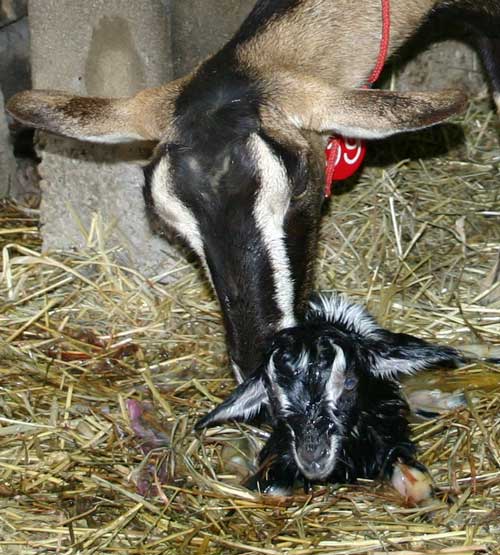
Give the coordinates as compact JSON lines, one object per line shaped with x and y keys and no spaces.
{"x":412,"y":483}
{"x":268,"y":487}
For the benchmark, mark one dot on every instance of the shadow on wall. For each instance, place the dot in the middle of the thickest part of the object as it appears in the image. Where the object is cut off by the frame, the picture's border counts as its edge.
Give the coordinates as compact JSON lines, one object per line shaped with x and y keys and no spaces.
{"x":15,"y":74}
{"x":113,"y":51}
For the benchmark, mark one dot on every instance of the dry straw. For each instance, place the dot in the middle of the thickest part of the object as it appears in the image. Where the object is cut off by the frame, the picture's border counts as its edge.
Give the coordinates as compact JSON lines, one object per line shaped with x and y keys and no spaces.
{"x":417,"y":238}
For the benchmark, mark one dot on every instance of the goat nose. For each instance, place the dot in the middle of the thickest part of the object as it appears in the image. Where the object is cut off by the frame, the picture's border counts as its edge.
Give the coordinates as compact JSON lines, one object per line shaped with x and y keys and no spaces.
{"x":312,"y":454}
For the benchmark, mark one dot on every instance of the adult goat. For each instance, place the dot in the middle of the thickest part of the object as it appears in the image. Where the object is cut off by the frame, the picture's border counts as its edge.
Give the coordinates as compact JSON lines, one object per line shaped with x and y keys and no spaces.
{"x":239,"y":167}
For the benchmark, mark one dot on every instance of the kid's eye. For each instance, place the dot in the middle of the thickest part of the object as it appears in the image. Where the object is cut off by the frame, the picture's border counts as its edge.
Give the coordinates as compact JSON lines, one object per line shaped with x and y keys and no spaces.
{"x":350,"y":383}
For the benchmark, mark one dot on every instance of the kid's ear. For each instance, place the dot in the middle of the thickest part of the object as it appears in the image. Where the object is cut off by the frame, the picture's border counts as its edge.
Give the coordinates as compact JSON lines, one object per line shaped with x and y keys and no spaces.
{"x":392,"y":354}
{"x":242,"y":405}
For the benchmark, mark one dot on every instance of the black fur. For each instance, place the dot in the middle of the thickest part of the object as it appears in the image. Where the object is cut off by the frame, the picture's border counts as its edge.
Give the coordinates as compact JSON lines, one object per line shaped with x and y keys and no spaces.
{"x":214,"y":174}
{"x":370,"y":417}
{"x":334,"y":401}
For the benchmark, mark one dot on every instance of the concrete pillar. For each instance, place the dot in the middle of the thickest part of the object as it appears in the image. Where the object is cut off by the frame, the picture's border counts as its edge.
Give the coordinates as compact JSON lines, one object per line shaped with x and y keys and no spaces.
{"x":108,"y":48}
{"x":7,"y":163}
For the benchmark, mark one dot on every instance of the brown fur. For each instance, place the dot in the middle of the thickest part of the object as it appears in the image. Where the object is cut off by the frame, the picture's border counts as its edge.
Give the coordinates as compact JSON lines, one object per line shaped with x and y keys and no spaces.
{"x":313,"y":104}
{"x":317,"y":39}
{"x":146,"y":115}
{"x":305,"y":59}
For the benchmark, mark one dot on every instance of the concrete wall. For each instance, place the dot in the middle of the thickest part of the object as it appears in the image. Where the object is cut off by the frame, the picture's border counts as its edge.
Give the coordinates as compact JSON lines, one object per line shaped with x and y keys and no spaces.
{"x":443,"y":65}
{"x":100,"y":47}
{"x":14,"y":76}
{"x":7,"y":162}
{"x":109,"y":48}
{"x":201,"y":27}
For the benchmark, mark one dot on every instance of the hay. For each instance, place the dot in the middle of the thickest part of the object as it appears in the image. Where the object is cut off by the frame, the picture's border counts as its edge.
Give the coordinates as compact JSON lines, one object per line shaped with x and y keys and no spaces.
{"x":417,"y":239}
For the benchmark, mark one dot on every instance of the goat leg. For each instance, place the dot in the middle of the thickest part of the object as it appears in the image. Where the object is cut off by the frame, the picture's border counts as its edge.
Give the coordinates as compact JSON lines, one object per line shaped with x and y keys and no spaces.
{"x":408,"y":476}
{"x":277,"y":471}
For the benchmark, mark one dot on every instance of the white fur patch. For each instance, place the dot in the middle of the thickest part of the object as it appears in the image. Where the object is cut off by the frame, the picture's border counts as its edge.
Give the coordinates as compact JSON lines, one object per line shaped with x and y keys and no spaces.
{"x":238,"y":374}
{"x":110,"y":138}
{"x":302,"y":360}
{"x":335,"y":384}
{"x":278,"y":491}
{"x":359,"y":132}
{"x":338,"y":309}
{"x":391,"y":367}
{"x":173,"y":211}
{"x":279,"y":393}
{"x":247,"y":405}
{"x":270,"y":209}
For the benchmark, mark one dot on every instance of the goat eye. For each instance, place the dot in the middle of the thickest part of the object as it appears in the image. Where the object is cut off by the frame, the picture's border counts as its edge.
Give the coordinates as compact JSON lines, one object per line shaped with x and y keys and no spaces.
{"x":350,"y":383}
{"x":300,"y":191}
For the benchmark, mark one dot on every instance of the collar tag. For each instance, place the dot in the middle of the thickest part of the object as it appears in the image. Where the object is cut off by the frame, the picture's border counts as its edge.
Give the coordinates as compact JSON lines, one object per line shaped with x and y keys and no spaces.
{"x":344,"y":156}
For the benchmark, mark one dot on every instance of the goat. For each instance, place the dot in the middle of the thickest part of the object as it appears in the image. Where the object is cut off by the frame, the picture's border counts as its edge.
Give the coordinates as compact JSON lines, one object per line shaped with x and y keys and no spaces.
{"x":331,"y":389}
{"x":238,"y":172}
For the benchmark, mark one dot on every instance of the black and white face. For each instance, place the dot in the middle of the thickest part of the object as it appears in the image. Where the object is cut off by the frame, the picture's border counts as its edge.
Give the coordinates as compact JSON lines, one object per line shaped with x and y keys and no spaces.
{"x":312,"y":380}
{"x":322,"y":378}
{"x":249,"y":207}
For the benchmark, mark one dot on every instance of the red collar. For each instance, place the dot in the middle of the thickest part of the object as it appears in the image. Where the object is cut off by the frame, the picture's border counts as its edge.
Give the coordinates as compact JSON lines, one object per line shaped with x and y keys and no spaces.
{"x":343,"y":155}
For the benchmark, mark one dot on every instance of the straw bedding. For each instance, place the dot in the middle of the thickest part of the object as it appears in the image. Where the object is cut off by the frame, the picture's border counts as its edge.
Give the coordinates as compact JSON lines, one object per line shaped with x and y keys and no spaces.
{"x":83,"y":341}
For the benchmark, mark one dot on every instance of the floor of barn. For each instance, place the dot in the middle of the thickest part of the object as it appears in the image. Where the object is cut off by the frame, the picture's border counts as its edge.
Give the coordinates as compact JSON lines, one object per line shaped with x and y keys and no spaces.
{"x":416,"y":238}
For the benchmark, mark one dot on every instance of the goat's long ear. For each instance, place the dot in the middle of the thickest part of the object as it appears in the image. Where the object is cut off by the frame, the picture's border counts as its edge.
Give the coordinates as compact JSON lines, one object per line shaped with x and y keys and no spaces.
{"x":315,"y":105}
{"x":242,"y":405}
{"x":391,"y":354}
{"x":144,"y":116}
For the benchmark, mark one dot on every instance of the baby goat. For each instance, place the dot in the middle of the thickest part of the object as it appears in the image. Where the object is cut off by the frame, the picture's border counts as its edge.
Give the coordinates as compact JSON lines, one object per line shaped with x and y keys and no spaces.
{"x":331,"y":389}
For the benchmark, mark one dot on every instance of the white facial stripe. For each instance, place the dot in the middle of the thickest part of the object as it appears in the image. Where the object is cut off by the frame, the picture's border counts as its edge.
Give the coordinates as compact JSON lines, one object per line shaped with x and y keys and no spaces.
{"x":284,"y":404}
{"x":332,"y":457}
{"x":172,"y":210}
{"x":270,"y":208}
{"x":302,"y":360}
{"x":335,"y":384}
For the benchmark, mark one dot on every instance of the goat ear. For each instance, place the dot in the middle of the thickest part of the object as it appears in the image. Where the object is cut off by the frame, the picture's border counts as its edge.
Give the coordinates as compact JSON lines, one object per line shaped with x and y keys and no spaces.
{"x":315,"y":105}
{"x":242,"y":405}
{"x":391,"y":354}
{"x":144,"y":116}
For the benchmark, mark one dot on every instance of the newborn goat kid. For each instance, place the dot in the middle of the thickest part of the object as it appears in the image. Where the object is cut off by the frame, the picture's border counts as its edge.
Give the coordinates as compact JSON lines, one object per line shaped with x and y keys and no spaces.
{"x":331,"y":390}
